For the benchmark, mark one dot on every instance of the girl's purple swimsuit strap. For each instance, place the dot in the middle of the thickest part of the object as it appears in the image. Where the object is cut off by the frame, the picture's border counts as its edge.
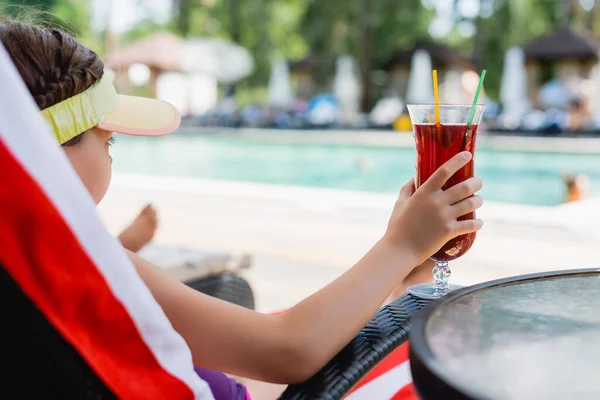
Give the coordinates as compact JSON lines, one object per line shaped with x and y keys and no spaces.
{"x":222,"y":387}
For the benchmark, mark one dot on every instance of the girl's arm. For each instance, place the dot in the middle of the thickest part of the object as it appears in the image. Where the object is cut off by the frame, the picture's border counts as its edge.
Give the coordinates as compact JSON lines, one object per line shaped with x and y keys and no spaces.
{"x":283,"y":348}
{"x":292,"y":346}
{"x":420,"y":274}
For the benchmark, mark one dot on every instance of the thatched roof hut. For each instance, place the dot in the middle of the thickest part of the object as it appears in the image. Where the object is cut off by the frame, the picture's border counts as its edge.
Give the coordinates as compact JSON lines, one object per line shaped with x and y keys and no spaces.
{"x":564,"y":55}
{"x":160,"y":51}
{"x":562,"y":44}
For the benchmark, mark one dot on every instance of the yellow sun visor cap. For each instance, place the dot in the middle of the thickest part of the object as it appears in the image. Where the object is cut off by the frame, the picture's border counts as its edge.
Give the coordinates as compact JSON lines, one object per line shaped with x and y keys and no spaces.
{"x":101,"y":106}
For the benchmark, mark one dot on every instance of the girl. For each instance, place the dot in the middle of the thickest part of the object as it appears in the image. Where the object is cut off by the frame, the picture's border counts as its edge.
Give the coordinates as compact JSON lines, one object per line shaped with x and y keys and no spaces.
{"x":77,"y":98}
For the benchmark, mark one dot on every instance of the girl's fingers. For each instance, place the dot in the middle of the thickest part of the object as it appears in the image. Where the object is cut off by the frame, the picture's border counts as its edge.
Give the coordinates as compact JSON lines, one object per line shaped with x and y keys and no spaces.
{"x":466,"y":206}
{"x":462,"y":190}
{"x":445,"y":172}
{"x":407,"y":190}
{"x":468,"y":226}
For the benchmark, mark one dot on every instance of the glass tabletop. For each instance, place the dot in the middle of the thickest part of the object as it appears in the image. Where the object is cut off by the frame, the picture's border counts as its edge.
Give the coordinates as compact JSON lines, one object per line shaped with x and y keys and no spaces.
{"x":537,"y":339}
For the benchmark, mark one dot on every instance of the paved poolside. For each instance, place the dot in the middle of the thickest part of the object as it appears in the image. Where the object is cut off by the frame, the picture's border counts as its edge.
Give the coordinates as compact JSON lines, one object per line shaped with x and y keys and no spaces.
{"x":302,"y":238}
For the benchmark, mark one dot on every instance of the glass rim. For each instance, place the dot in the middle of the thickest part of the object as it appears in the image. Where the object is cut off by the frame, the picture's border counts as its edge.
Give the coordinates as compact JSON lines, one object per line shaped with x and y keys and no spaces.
{"x":446,"y":105}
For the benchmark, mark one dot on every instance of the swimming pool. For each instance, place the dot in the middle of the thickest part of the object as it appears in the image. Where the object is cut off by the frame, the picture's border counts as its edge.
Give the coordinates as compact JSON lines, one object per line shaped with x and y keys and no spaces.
{"x":514,"y":177}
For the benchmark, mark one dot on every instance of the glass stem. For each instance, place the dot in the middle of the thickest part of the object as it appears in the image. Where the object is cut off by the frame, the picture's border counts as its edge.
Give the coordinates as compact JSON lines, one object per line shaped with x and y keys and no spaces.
{"x":441,"y":276}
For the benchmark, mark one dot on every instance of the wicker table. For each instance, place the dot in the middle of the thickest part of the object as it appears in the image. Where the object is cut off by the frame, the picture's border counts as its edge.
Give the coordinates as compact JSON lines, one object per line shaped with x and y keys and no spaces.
{"x":530,"y":337}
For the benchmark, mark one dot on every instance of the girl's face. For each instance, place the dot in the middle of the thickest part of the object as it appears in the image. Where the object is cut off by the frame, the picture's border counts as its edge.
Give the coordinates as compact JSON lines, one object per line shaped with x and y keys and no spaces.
{"x":92,"y":162}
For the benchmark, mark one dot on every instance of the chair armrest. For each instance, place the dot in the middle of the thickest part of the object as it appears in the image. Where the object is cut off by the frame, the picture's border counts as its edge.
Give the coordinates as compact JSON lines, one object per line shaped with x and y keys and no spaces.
{"x":386,"y":331}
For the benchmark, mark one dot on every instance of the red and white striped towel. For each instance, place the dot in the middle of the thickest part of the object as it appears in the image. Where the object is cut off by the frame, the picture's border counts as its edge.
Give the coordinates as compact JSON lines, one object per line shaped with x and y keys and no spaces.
{"x":55,"y":247}
{"x":389,"y":380}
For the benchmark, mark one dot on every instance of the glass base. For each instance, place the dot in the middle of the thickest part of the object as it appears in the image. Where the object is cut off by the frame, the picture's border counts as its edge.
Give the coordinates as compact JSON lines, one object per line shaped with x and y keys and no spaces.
{"x":428,"y":291}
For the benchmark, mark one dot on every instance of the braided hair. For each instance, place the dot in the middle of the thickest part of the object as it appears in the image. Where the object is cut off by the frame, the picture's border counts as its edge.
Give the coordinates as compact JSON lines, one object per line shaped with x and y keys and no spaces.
{"x":53,"y":65}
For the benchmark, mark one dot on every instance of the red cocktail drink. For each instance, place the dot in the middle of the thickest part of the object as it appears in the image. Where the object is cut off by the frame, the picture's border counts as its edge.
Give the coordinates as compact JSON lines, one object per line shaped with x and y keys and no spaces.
{"x":435,"y":146}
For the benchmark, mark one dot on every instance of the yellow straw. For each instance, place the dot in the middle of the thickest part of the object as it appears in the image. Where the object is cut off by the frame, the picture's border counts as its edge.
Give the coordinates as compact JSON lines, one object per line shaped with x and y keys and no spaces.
{"x":436,"y":97}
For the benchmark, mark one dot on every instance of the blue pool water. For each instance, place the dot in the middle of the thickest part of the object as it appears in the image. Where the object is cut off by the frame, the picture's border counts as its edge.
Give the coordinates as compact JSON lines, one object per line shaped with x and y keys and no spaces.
{"x":515,"y":177}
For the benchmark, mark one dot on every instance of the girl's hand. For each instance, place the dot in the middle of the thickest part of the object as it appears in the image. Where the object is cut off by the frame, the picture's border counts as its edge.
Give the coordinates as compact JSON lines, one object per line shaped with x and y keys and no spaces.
{"x":425,"y":219}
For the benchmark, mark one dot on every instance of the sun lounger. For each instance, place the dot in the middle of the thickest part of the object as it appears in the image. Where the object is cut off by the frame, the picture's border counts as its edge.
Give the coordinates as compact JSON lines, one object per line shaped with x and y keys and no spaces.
{"x":32,"y":349}
{"x":213,"y":273}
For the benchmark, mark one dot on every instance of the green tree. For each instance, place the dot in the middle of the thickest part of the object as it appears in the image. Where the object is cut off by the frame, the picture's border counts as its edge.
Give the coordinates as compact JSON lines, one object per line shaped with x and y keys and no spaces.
{"x":511,"y":23}
{"x":265,"y":27}
{"x":369,"y":30}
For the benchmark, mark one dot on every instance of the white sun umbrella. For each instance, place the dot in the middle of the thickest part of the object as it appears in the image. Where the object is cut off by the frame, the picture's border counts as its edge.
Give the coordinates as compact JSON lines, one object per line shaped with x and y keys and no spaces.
{"x":173,"y":87}
{"x":202,"y":93}
{"x":597,"y":97}
{"x":280,"y":88}
{"x":420,"y":81}
{"x":224,"y":60}
{"x":513,"y":87}
{"x":451,"y":91}
{"x":346,"y":88}
{"x":191,"y":94}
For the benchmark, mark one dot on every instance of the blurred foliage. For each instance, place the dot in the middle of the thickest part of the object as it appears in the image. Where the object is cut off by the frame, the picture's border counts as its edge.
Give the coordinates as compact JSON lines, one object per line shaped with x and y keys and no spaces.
{"x":369,"y":30}
{"x":70,"y":15}
{"x":145,"y":28}
{"x":511,"y":23}
{"x":515,"y":23}
{"x":267,"y":28}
